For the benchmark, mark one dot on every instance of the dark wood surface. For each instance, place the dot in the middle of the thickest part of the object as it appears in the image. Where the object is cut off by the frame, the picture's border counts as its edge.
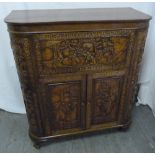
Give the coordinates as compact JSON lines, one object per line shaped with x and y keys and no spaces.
{"x":75,"y":15}
{"x":80,"y":78}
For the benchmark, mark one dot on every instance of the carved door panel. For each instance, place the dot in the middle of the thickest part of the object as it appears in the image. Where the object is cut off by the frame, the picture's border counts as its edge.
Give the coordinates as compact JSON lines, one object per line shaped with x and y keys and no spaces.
{"x":103,"y":97}
{"x":65,"y":108}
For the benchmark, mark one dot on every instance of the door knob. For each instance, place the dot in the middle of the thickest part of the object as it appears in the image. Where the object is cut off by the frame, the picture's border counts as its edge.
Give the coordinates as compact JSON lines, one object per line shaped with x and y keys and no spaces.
{"x":82,"y":103}
{"x":88,"y":103}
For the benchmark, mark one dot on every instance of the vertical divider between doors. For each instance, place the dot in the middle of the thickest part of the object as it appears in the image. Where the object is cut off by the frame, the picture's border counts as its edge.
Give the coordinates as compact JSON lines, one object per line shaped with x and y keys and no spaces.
{"x":83,"y":101}
{"x":88,"y":99}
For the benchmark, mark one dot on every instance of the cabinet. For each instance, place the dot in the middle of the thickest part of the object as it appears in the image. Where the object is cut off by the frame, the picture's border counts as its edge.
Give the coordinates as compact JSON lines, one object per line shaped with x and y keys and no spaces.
{"x":77,"y":68}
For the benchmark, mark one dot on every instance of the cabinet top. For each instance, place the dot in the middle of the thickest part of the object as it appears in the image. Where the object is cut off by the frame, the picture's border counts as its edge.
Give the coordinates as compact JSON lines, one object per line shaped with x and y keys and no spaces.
{"x":75,"y":15}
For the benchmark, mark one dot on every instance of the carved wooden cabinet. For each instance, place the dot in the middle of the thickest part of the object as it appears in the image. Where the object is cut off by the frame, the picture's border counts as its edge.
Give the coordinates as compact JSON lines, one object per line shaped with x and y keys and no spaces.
{"x":77,"y":68}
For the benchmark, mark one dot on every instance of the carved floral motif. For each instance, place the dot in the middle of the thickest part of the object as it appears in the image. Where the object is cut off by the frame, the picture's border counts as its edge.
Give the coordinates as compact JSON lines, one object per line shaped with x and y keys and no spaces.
{"x":106,"y":99}
{"x":21,"y":51}
{"x":65,"y":102}
{"x":69,"y":52}
{"x":141,"y":38}
{"x":84,"y":52}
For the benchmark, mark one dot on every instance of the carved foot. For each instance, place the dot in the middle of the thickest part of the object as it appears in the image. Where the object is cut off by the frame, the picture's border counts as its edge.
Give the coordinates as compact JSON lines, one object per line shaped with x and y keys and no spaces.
{"x":124,"y":128}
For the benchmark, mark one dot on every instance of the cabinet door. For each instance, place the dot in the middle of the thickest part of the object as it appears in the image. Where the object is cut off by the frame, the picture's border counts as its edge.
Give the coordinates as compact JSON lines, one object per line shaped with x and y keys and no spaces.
{"x":104,"y":97}
{"x":64,"y":104}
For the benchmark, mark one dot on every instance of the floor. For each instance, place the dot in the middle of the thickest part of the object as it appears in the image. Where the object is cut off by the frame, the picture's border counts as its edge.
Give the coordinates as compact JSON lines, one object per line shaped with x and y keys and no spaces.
{"x":139,"y":138}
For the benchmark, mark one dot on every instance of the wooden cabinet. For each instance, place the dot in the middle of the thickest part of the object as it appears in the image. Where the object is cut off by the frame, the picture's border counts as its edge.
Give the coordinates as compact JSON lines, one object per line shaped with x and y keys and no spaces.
{"x":78,"y":69}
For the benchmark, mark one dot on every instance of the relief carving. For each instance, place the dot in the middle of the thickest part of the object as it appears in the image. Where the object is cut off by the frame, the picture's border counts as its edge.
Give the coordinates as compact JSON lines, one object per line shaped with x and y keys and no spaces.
{"x":68,"y":52}
{"x":141,"y":44}
{"x":84,"y":52}
{"x":65,"y":102}
{"x":21,"y":51}
{"x":105,"y":99}
{"x":134,"y":72}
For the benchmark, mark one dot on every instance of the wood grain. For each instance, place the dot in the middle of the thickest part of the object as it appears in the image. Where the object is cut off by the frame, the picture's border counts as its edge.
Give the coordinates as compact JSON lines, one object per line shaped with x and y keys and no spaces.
{"x":75,"y":15}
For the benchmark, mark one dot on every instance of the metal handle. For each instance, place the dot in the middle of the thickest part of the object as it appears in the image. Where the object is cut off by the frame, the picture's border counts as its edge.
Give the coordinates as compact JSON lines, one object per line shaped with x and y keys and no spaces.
{"x":88,"y":103}
{"x":133,"y":82}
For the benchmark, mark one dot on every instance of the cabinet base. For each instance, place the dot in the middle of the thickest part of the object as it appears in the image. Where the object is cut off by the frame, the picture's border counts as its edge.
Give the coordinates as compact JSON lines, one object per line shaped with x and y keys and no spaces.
{"x":124,"y":127}
{"x":36,"y":145}
{"x":41,"y":141}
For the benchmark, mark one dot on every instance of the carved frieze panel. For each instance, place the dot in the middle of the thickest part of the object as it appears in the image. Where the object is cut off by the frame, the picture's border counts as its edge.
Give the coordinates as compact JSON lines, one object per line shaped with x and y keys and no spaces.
{"x":73,"y":51}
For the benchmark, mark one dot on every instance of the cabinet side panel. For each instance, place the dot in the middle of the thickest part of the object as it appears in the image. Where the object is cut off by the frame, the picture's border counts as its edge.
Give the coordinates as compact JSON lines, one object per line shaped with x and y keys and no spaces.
{"x":138,"y":50}
{"x":21,"y":46}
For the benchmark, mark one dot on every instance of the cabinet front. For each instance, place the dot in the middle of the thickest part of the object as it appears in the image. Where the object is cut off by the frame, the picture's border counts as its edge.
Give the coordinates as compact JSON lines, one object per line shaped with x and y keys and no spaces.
{"x":64,"y":104}
{"x":82,"y":74}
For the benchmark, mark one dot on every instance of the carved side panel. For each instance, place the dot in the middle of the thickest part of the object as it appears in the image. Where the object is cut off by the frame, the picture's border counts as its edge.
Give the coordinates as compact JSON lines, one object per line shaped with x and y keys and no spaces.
{"x":106,"y":99}
{"x":140,"y":39}
{"x":22,"y":55}
{"x":75,"y":51}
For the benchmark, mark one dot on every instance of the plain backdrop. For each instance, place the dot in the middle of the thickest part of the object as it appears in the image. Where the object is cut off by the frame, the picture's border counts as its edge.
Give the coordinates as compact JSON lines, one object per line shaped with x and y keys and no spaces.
{"x":10,"y":93}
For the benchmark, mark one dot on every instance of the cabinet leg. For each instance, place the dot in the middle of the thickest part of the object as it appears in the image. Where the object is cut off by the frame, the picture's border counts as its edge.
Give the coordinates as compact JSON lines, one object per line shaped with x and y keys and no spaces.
{"x":37,"y":145}
{"x":124,"y":128}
